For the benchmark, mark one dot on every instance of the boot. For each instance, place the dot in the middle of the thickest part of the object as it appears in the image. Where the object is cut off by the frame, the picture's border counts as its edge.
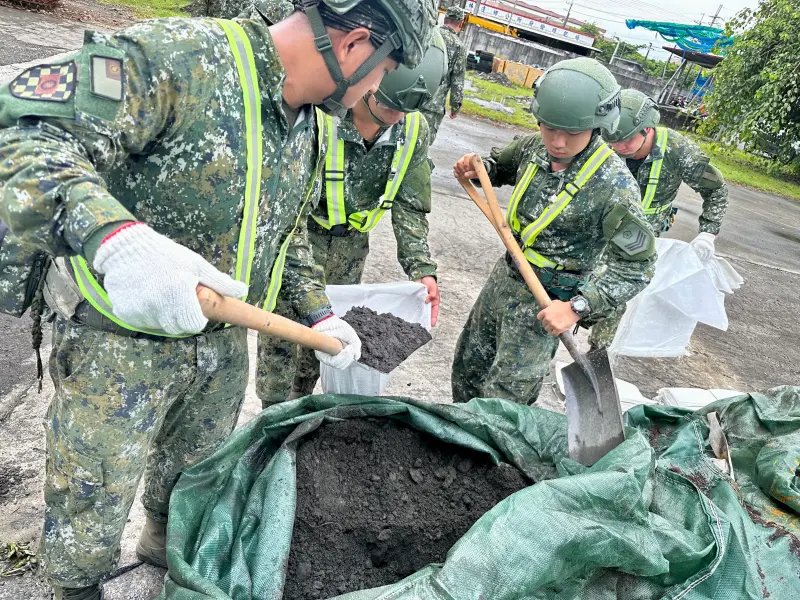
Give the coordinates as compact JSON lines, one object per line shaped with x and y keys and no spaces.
{"x":302,"y":386}
{"x":152,"y":546}
{"x":92,"y":592}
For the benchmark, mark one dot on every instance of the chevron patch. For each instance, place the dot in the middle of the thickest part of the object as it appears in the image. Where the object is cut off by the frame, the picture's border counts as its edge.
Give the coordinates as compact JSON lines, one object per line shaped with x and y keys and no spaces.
{"x":632,"y":240}
{"x":51,"y":83}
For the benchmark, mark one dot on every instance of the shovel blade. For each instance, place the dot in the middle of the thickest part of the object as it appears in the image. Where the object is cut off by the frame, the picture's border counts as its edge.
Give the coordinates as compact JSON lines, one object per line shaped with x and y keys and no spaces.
{"x":594,"y":416}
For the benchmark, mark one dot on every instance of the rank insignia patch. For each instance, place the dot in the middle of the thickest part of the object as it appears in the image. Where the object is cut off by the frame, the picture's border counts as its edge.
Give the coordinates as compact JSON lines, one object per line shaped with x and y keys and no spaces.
{"x":52,"y":83}
{"x":107,"y":77}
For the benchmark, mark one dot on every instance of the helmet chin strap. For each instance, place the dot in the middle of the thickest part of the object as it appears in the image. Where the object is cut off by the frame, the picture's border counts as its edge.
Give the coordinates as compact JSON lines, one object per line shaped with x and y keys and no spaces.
{"x":332,"y":105}
{"x":375,"y":118}
{"x":562,"y":160}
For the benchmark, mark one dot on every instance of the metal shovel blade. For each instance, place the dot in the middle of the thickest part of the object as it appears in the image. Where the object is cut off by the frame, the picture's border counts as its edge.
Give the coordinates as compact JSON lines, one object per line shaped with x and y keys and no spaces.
{"x":594,"y":416}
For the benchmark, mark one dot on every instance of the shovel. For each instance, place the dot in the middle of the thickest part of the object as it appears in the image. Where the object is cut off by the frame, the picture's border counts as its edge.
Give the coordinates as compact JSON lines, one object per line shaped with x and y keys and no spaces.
{"x":225,"y":309}
{"x":594,"y":417}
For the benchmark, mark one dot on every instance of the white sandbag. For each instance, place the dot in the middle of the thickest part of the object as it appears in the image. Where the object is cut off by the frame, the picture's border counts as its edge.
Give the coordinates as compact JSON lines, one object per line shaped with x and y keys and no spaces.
{"x":403,"y":299}
{"x":692,"y":398}
{"x":660,"y":321}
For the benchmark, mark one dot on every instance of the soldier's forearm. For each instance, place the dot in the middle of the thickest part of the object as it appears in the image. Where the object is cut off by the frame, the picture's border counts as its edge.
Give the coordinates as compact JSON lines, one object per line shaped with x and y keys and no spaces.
{"x":715,"y":204}
{"x":620,"y":282}
{"x":52,"y":195}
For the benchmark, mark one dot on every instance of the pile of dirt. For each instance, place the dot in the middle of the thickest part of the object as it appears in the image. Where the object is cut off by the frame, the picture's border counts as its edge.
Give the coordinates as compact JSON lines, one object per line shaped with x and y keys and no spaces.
{"x":377,"y":501}
{"x":10,"y":478}
{"x":386,"y":340}
{"x":500,"y":78}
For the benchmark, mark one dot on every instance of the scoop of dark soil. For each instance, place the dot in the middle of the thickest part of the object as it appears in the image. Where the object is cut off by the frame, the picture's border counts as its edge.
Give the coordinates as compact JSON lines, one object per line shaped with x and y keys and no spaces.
{"x":377,"y":501}
{"x":386,"y":340}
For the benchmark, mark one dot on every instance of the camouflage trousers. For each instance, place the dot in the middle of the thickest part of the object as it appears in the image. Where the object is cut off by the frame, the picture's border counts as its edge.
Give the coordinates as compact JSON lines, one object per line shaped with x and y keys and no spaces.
{"x":124,"y":407}
{"x":283,"y":366}
{"x":503,"y":351}
{"x":434,"y":122}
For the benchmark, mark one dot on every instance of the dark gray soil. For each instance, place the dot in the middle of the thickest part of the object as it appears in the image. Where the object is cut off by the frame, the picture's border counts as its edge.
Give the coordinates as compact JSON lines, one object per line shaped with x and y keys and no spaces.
{"x":377,"y":501}
{"x":386,"y":340}
{"x":10,"y":478}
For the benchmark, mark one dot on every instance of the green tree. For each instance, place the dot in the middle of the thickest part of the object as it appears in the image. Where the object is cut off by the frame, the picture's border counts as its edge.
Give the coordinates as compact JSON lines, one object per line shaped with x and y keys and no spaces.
{"x":757,"y":87}
{"x":607,"y":47}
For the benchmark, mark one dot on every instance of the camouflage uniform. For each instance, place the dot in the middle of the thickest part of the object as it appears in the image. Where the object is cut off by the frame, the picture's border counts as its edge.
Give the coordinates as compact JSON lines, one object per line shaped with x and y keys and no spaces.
{"x":165,"y":145}
{"x":683,"y":162}
{"x":503,"y":350}
{"x":342,"y":257}
{"x":453,"y":82}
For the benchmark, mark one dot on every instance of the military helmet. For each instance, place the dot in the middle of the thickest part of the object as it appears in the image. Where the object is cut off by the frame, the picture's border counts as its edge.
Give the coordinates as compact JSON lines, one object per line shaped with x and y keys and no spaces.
{"x":407,"y":89}
{"x":412,"y":21}
{"x":638,"y":112}
{"x":455,"y":13}
{"x":577,"y":94}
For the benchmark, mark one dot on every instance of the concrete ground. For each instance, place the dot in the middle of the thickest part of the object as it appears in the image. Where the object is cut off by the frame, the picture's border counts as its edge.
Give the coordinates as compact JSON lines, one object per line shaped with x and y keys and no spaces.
{"x":761,"y":237}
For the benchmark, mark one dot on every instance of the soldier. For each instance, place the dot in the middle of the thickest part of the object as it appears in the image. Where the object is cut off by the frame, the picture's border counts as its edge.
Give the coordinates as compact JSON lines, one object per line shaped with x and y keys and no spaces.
{"x":201,"y":130}
{"x":574,"y":201}
{"x":377,"y":162}
{"x":661,"y":158}
{"x":453,"y":81}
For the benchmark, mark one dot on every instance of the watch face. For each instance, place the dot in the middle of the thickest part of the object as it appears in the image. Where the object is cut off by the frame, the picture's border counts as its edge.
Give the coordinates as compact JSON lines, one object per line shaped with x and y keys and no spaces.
{"x":580,"y":304}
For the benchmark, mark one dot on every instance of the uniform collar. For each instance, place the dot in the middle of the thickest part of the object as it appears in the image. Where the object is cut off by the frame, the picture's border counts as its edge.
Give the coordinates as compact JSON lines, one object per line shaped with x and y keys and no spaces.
{"x":346,"y":130}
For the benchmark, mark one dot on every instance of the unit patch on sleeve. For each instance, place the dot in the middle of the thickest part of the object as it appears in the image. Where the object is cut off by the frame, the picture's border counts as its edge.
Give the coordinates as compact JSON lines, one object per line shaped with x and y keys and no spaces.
{"x":107,"y":77}
{"x":51,"y":83}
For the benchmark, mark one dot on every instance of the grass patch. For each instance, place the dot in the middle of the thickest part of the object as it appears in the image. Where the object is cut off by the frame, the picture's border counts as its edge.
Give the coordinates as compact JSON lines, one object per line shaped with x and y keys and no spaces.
{"x":152,"y":9}
{"x":517,"y":98}
{"x":751,"y":171}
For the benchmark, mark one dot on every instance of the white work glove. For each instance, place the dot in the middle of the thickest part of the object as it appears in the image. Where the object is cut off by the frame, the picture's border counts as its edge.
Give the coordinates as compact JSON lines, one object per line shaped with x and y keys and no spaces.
{"x":151,"y":280}
{"x":703,"y":244}
{"x":335,"y":327}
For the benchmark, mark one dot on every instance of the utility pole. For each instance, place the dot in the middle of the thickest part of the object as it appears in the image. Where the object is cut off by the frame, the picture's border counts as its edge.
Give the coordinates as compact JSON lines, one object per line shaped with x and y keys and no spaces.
{"x":716,"y":16}
{"x":569,"y":10}
{"x":644,"y":62}
{"x":511,"y":16}
{"x":666,"y":64}
{"x":616,"y":48}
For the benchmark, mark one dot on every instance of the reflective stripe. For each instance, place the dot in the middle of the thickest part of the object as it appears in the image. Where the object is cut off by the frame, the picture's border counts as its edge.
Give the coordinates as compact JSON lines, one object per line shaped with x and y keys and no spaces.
{"x":367,"y":220}
{"x":571,"y":189}
{"x":276,"y":275}
{"x":519,"y":190}
{"x":242,"y":52}
{"x":655,"y":174}
{"x":334,"y":174}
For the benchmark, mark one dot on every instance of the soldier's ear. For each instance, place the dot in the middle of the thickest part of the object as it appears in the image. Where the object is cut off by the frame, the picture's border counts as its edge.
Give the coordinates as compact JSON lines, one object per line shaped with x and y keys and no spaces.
{"x":352,"y":46}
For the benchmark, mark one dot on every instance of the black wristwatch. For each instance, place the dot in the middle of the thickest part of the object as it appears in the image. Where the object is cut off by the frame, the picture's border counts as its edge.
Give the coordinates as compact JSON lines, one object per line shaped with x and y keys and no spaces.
{"x":580,"y":306}
{"x":317,"y":316}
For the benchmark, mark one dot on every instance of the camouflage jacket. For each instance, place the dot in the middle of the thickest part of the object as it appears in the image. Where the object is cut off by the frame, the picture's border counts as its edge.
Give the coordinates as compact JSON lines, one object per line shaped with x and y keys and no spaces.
{"x":453,"y":81}
{"x":597,"y":222}
{"x":150,"y":127}
{"x":366,"y":174}
{"x":685,"y":162}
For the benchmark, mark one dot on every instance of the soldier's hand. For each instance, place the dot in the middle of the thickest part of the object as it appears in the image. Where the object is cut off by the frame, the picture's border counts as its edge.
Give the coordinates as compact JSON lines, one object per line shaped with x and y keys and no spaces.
{"x":453,"y":115}
{"x":151,"y":281}
{"x":558,"y":317}
{"x":433,"y":297}
{"x":463,"y":168}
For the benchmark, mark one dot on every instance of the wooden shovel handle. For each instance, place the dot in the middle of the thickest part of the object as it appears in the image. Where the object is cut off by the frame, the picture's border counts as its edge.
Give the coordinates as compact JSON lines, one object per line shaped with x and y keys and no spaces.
{"x":491,"y":209}
{"x":225,"y":309}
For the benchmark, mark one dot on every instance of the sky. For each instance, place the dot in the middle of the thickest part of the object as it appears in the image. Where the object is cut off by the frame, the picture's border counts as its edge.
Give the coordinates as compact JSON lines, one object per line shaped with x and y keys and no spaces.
{"x":611,"y":15}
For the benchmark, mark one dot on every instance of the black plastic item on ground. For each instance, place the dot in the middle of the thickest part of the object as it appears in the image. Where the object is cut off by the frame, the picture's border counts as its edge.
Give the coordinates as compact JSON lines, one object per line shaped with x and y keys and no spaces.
{"x":377,"y":501}
{"x":485,"y":55}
